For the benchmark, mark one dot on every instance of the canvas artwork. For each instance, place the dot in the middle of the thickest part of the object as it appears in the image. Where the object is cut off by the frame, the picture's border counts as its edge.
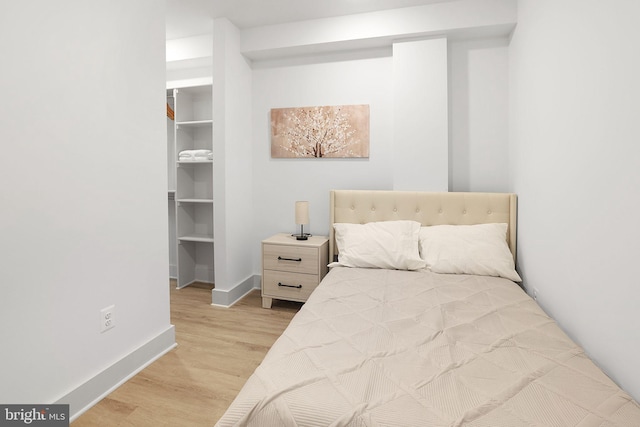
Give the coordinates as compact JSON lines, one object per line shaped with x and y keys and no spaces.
{"x":329,"y":131}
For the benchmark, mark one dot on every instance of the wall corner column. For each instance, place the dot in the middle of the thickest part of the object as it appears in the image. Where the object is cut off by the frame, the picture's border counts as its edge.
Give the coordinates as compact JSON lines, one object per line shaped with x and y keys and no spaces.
{"x":421,"y":115}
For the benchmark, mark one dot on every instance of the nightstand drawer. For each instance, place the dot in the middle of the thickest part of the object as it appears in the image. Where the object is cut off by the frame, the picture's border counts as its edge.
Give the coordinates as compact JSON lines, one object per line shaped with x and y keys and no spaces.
{"x":290,"y":258}
{"x":285,"y":285}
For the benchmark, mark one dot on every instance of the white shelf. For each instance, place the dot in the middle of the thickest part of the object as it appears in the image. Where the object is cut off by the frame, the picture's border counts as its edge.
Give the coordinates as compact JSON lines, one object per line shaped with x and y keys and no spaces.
{"x":195,"y":123}
{"x":203,"y":238}
{"x":191,"y":200}
{"x":190,"y":162}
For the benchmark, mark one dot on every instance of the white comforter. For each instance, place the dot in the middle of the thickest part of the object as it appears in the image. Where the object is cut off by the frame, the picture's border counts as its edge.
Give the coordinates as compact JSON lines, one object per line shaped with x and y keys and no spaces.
{"x":398,"y":348}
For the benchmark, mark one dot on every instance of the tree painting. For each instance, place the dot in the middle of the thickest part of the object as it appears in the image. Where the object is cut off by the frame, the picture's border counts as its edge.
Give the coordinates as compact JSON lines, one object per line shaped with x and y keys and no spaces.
{"x":334,"y":131}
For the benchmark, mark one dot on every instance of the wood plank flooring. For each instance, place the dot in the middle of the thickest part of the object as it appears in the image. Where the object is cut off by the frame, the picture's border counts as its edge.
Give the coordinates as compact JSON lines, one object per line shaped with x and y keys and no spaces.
{"x":192,"y":385}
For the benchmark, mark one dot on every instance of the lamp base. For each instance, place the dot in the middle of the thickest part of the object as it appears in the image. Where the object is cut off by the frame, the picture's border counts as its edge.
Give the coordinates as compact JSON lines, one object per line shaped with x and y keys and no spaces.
{"x":302,"y":235}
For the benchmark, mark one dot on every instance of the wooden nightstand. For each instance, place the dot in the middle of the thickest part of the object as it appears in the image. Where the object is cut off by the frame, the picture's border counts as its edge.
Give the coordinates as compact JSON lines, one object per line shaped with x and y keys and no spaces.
{"x":292,"y":269}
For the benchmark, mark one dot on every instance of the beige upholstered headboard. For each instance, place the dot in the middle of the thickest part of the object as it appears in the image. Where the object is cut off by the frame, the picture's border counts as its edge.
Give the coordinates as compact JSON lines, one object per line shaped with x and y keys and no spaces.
{"x":361,"y":206}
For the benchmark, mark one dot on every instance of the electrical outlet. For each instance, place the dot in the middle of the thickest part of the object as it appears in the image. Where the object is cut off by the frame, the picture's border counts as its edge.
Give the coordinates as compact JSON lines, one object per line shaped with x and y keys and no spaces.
{"x":107,"y":318}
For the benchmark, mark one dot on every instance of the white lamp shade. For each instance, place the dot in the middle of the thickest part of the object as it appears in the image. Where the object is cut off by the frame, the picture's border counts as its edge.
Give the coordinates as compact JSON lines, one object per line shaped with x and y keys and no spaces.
{"x":302,"y":213}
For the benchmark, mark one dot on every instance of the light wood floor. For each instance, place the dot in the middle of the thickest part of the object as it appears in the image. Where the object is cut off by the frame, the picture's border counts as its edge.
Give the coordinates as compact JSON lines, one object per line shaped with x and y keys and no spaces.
{"x":192,"y":385}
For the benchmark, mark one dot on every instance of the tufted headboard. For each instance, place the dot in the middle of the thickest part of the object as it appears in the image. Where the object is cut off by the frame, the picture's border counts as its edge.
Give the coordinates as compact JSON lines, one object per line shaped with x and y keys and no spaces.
{"x":361,"y":206}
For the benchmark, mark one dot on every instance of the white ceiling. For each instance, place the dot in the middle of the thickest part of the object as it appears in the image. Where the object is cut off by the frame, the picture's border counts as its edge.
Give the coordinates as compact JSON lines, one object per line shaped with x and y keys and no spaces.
{"x":187,"y":18}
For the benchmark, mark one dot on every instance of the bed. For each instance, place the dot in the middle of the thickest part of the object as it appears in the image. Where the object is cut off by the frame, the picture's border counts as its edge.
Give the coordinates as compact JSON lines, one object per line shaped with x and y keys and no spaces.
{"x":440,"y":340}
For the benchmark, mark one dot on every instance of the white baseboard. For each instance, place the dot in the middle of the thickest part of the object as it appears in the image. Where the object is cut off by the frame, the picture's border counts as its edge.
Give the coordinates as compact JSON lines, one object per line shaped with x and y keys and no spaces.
{"x":83,"y":397}
{"x":228,"y":297}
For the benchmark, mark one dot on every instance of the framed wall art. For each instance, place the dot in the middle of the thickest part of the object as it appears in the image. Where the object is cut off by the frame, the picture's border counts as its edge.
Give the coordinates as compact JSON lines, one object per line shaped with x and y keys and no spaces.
{"x":330,"y":131}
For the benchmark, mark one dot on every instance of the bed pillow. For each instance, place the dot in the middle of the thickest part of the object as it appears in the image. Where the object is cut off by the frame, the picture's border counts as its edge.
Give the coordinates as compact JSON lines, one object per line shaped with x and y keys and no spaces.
{"x":383,"y":244}
{"x":468,"y":249}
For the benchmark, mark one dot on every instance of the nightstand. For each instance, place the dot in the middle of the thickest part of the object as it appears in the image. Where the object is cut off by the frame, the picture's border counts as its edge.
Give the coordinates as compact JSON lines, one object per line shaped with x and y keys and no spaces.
{"x":292,"y":269}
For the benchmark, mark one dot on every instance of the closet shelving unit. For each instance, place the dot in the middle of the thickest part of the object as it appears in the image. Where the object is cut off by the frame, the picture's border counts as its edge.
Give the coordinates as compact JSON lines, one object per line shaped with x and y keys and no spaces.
{"x":193,"y":186}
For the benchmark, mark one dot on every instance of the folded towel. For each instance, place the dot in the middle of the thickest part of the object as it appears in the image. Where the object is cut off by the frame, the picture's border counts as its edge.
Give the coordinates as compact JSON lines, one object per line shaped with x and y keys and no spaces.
{"x":199,"y":152}
{"x":195,"y":155}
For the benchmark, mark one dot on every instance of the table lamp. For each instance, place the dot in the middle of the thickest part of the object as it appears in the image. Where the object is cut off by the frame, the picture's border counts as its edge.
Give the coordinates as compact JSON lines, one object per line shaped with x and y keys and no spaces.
{"x":302,"y":218}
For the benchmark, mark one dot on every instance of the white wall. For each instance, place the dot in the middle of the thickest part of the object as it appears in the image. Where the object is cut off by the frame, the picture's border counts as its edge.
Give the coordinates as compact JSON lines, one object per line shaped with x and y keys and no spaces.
{"x":233,"y":170}
{"x":574,"y":151}
{"x":420,"y":115}
{"x":83,"y":199}
{"x":278,"y":183}
{"x":479,"y":104}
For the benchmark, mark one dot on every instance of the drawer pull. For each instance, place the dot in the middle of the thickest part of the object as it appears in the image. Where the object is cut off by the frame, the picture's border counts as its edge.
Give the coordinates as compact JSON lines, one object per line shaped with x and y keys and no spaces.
{"x":290,"y":286}
{"x":289,"y":259}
